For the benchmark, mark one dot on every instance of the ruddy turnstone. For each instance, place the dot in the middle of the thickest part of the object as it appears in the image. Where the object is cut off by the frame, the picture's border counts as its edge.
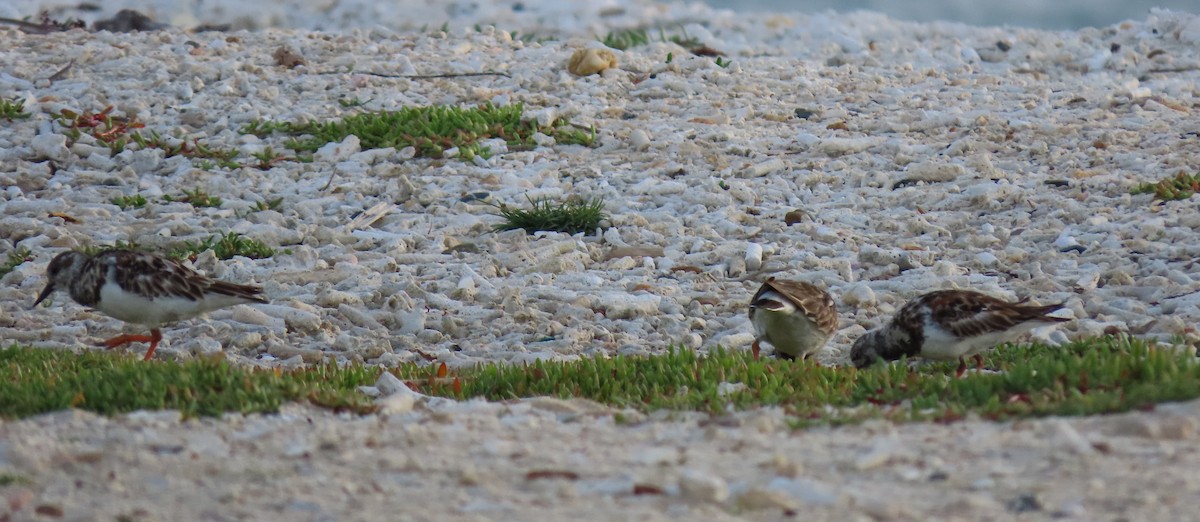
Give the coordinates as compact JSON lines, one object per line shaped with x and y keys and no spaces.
{"x":795,"y":317}
{"x":951,"y":324}
{"x":141,"y":288}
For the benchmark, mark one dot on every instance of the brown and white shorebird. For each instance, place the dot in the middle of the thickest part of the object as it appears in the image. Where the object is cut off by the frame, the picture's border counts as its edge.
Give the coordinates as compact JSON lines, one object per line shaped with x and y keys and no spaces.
{"x":142,"y":288}
{"x":797,"y":318}
{"x":951,"y":324}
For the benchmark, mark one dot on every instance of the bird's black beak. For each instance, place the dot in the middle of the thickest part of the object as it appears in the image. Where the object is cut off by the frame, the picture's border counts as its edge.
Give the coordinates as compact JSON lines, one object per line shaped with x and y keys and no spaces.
{"x":45,"y":293}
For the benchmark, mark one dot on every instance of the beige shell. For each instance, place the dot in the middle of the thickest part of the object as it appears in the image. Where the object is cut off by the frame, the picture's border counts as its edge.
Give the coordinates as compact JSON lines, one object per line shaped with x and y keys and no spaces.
{"x":591,"y":61}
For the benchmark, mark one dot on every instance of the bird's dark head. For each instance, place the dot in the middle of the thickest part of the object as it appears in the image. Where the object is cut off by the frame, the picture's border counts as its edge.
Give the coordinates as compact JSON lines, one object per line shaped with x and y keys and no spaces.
{"x":865,"y":351}
{"x":62,"y":269}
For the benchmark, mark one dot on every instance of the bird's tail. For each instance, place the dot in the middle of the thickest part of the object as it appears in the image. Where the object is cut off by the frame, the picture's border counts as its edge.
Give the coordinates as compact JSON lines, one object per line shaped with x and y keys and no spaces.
{"x":247,"y":292}
{"x":1036,"y":312}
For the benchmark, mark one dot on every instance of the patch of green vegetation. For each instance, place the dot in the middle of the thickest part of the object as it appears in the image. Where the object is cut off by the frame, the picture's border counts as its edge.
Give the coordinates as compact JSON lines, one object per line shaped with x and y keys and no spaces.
{"x":13,"y":109}
{"x":723,"y":63}
{"x":15,"y":258}
{"x":351,"y":103}
{"x":572,"y":216}
{"x":197,"y":197}
{"x":627,"y":38}
{"x":128,"y":202}
{"x":1182,"y":186}
{"x":531,"y":37}
{"x":1095,"y":376}
{"x":92,"y":250}
{"x":271,"y":204}
{"x":430,"y":130}
{"x":268,"y":158}
{"x":113,"y":131}
{"x":39,"y":381}
{"x":1103,"y":375}
{"x":181,"y":147}
{"x":10,"y":479}
{"x":224,"y":247}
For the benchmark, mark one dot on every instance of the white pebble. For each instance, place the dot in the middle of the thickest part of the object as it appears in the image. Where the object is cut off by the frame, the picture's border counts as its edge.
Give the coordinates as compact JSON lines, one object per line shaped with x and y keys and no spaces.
{"x":50,"y":146}
{"x":639,"y":140}
{"x":699,"y":486}
{"x":859,"y":295}
{"x":754,"y":256}
{"x":338,"y":152}
{"x":764,"y":168}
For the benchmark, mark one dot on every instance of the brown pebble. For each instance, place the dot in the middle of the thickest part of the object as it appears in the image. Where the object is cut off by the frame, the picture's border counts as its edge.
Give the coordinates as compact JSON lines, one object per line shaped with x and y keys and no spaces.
{"x":288,"y":57}
{"x":795,"y":216}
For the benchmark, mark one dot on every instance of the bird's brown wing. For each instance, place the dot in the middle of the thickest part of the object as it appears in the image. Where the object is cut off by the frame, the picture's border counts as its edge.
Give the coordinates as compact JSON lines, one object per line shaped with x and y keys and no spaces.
{"x":967,"y":313}
{"x":809,"y":298}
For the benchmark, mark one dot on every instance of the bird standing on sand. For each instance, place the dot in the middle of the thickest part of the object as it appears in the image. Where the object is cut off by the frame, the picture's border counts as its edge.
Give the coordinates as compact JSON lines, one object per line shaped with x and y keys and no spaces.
{"x":951,"y":324}
{"x":797,"y":318}
{"x":142,"y":288}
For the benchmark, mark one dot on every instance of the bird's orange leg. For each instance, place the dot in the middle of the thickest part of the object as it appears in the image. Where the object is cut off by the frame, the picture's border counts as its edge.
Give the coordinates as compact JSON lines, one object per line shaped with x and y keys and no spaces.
{"x":121,"y":340}
{"x":754,"y":349}
{"x":979,"y":361}
{"x":962,"y":367}
{"x":155,"y":337}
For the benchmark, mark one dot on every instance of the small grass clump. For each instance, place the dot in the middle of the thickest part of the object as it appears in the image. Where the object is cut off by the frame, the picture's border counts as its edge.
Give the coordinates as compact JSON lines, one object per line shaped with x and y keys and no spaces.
{"x":197,"y":197}
{"x":1103,"y":375}
{"x":14,"y":259}
{"x":13,"y":109}
{"x":92,"y":250}
{"x":628,"y":38}
{"x":268,"y":204}
{"x":571,"y":216}
{"x":268,"y":158}
{"x":430,"y":130}
{"x":182,"y":147}
{"x":128,"y":202}
{"x":1180,"y":187}
{"x":224,"y":247}
{"x":113,"y":131}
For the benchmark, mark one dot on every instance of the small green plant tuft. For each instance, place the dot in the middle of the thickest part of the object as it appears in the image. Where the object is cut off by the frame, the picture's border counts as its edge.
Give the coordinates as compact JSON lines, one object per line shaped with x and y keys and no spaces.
{"x":197,"y":197}
{"x":264,"y":128}
{"x":224,"y":247}
{"x":272,"y":204}
{"x":113,"y":131}
{"x":1180,"y":187}
{"x":14,"y":259}
{"x":12,"y":479}
{"x":268,"y":158}
{"x":92,"y":250}
{"x":352,"y":102}
{"x":571,"y":216}
{"x":181,"y":147}
{"x":128,"y":202}
{"x":13,"y":109}
{"x":722,"y":62}
{"x":531,"y":37}
{"x":626,"y":38}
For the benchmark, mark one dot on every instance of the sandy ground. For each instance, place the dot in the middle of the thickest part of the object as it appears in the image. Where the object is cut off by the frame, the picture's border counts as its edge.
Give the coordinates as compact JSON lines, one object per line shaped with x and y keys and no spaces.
{"x":546,"y":459}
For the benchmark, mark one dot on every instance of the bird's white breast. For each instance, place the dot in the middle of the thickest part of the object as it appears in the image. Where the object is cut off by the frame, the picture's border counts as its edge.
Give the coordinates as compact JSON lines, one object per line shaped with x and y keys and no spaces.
{"x":788,"y":330}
